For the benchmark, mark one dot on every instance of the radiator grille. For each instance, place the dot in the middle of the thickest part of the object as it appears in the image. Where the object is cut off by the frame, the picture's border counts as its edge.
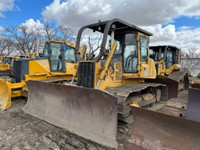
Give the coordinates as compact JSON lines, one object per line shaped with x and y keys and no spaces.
{"x":86,"y":72}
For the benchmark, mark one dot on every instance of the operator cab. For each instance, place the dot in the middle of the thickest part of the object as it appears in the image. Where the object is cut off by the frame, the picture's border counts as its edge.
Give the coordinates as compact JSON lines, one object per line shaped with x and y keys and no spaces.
{"x":171,"y":54}
{"x":58,"y":53}
{"x":132,"y":43}
{"x":128,"y":49}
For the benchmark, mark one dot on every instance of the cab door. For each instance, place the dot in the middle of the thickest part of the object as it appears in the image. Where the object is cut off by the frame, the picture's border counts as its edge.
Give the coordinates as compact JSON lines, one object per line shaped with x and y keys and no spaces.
{"x":130,"y":56}
{"x":55,"y":53}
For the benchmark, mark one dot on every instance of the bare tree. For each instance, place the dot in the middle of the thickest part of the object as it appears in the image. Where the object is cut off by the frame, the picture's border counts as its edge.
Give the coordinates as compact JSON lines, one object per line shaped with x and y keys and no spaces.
{"x":66,"y":34}
{"x":57,"y":32}
{"x":51,"y":31}
{"x":24,"y":39}
{"x":193,"y":52}
{"x":191,"y":60}
{"x":93,"y":45}
{"x":6,"y":45}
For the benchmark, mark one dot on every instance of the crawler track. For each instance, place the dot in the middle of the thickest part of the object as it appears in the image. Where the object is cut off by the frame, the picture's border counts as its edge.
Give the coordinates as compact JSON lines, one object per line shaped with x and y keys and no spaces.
{"x":134,"y":93}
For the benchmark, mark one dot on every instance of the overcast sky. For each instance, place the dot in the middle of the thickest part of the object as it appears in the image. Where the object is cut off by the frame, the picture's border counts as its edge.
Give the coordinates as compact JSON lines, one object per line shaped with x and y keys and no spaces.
{"x":175,"y":22}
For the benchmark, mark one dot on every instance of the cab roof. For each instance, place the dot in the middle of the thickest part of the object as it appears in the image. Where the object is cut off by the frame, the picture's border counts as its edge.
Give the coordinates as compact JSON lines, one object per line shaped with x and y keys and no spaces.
{"x":119,"y":25}
{"x":164,"y":46}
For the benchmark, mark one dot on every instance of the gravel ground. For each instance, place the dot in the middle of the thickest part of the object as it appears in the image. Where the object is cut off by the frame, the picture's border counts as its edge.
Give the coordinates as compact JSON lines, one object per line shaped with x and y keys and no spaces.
{"x":21,"y":131}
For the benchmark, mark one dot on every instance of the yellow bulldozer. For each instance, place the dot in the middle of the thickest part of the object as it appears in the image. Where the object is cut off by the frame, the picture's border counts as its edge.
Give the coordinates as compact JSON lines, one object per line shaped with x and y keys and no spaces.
{"x":57,"y":65}
{"x":5,"y":65}
{"x":154,"y":130}
{"x":121,"y":68}
{"x":169,"y":72}
{"x":157,"y":131}
{"x":98,"y":106}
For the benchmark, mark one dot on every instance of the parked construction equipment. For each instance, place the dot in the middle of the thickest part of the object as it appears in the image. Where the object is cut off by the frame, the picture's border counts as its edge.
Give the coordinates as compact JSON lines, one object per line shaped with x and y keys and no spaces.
{"x":167,"y":59}
{"x":120,"y":70}
{"x":156,"y":131}
{"x":58,"y":64}
{"x":5,"y":65}
{"x":193,"y":111}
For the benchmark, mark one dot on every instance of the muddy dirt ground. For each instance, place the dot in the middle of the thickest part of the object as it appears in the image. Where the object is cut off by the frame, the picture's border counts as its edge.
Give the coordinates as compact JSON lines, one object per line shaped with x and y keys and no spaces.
{"x":20,"y":131}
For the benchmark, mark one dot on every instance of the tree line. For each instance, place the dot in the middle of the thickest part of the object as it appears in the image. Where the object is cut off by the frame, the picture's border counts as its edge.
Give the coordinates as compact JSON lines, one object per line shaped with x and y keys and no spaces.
{"x":22,"y":40}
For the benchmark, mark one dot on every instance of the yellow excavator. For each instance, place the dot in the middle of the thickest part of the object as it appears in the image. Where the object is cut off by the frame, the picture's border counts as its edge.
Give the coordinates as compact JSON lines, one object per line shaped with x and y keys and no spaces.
{"x":57,"y":65}
{"x":169,"y":72}
{"x":121,"y":68}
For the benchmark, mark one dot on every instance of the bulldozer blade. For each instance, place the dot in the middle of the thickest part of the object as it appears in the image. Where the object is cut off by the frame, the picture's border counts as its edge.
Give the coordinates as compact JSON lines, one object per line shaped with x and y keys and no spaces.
{"x":5,"y":94}
{"x":89,"y":113}
{"x":172,"y":86}
{"x":195,"y":85}
{"x":193,"y":107}
{"x":155,"y":131}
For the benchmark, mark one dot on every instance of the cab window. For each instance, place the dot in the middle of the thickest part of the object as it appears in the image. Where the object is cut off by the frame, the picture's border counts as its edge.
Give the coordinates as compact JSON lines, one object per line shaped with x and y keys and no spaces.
{"x":69,"y":54}
{"x":56,"y":57}
{"x":130,"y":53}
{"x":46,"y":50}
{"x":144,"y":48}
{"x":169,"y":59}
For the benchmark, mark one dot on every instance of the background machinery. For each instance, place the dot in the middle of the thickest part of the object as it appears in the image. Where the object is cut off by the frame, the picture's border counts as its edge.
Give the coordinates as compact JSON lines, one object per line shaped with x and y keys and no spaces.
{"x":57,"y":64}
{"x":167,"y":59}
{"x":121,"y":68}
{"x":155,"y":131}
{"x":5,"y":65}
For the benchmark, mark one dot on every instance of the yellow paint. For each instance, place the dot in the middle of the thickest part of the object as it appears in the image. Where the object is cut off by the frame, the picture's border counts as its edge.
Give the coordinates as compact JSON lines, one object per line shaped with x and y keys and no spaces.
{"x":5,"y":94}
{"x":174,"y":67}
{"x":70,"y":68}
{"x":181,"y":86}
{"x":147,"y":96}
{"x":134,"y":104}
{"x":38,"y":66}
{"x":4,"y":66}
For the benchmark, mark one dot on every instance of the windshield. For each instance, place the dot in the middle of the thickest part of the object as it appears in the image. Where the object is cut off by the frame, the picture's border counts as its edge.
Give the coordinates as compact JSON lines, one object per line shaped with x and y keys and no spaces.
{"x":69,"y":54}
{"x":58,"y":53}
{"x":46,"y":48}
{"x":157,"y":54}
{"x":169,"y":58}
{"x":144,"y":48}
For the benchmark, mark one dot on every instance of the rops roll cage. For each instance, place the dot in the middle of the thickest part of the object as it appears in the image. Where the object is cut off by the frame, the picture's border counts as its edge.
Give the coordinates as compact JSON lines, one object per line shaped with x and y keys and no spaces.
{"x":106,"y":28}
